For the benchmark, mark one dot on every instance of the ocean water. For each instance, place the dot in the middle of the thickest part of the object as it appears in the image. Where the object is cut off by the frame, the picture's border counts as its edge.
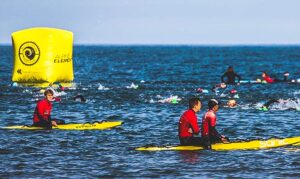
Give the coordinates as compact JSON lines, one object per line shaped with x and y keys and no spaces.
{"x":134,"y":84}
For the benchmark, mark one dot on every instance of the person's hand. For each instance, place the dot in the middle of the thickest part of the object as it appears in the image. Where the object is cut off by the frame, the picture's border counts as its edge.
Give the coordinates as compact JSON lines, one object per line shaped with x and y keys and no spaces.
{"x":224,"y":139}
{"x":190,"y":130}
{"x":54,"y":123}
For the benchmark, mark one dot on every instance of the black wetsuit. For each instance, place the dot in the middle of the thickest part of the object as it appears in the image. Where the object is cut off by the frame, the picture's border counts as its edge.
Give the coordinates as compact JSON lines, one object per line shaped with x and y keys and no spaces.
{"x":271,"y":101}
{"x":230,"y":77}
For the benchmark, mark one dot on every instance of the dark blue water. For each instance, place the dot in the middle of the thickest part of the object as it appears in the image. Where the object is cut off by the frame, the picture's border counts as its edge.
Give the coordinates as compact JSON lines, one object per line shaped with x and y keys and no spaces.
{"x":160,"y":73}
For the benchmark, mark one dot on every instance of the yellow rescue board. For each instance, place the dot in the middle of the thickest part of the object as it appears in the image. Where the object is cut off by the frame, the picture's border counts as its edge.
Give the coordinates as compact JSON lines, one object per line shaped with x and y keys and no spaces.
{"x":87,"y":126}
{"x":247,"y":145}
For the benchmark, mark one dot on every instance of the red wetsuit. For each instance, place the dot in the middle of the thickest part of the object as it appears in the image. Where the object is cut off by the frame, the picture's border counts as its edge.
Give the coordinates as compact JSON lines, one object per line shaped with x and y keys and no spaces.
{"x":209,"y":122}
{"x":269,"y":79}
{"x":188,"y":120}
{"x":42,"y":111}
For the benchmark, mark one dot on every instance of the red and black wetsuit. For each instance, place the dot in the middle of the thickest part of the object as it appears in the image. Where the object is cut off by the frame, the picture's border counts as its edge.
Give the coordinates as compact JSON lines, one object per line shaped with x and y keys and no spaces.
{"x":209,"y":132}
{"x":42,"y":114}
{"x":268,"y":79}
{"x":230,"y":77}
{"x":187,"y":121}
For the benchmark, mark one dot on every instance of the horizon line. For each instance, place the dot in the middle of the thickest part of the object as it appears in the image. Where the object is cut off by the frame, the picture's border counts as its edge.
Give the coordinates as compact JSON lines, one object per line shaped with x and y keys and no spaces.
{"x":174,"y":44}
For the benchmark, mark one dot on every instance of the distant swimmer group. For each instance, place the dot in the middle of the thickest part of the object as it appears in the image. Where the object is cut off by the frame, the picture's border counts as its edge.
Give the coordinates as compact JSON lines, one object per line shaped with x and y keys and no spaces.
{"x":190,"y":133}
{"x":230,"y":77}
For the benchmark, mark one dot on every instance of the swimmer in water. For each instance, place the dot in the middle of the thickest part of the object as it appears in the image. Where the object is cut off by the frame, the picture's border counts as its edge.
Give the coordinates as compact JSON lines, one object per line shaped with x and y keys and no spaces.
{"x":231,"y":103}
{"x":79,"y":98}
{"x":287,"y":104}
{"x":269,"y":79}
{"x":217,"y":86}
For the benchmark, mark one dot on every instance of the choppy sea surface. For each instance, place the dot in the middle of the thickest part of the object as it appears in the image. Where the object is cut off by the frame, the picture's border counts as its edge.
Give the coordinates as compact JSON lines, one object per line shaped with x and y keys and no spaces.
{"x":136,"y":84}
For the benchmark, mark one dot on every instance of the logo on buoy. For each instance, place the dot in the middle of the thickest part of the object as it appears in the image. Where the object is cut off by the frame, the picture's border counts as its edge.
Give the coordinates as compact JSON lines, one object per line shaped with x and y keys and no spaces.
{"x":29,"y":53}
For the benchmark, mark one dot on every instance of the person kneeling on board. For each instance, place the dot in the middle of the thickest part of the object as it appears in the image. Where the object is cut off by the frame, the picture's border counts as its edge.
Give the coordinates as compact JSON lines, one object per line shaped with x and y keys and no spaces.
{"x":230,"y":74}
{"x":42,"y":112}
{"x":188,"y":124}
{"x":209,"y":132}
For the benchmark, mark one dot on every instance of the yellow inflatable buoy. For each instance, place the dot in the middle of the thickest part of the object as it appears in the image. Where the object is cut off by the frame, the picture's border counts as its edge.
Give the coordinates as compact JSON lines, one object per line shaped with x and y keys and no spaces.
{"x":42,"y":55}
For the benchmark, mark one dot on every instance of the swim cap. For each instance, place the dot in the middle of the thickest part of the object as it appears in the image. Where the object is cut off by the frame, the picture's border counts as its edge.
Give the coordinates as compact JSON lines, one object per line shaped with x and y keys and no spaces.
{"x":231,"y":103}
{"x":199,"y":90}
{"x":204,"y":91}
{"x":212,"y":103}
{"x":174,"y":101}
{"x":233,"y":91}
{"x":236,"y":96}
{"x":286,"y":73}
{"x":264,"y":108}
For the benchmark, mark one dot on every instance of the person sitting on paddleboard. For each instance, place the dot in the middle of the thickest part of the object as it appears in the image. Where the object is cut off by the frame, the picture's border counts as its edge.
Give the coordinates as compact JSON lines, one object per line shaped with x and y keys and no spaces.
{"x":188,"y":124}
{"x":42,"y":112}
{"x":268,"y":79}
{"x":230,"y":74}
{"x":209,"y":132}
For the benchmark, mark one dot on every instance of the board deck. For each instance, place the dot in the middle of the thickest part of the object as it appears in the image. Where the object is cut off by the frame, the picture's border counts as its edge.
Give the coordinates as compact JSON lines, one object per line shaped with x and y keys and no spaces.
{"x":247,"y":145}
{"x":86,"y":126}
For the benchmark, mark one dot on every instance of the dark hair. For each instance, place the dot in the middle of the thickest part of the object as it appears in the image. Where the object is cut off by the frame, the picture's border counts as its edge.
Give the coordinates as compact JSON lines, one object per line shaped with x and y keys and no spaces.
{"x":193,"y":102}
{"x":230,"y":68}
{"x":79,"y":97}
{"x":48,"y":91}
{"x":212,"y":103}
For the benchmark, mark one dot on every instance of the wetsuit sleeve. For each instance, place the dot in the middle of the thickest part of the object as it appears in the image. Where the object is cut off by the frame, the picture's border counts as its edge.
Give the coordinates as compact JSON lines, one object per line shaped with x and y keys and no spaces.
{"x":239,"y":77}
{"x":222,"y":78}
{"x":194,"y":125}
{"x":215,"y":132}
{"x":213,"y":122}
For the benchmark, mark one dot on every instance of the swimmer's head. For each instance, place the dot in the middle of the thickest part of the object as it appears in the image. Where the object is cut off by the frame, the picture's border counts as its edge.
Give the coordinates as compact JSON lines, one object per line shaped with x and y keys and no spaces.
{"x":264,"y":108}
{"x":264,"y":74}
{"x":233,"y":91}
{"x":230,"y":68}
{"x":231,"y":103}
{"x":174,"y":101}
{"x":79,"y":98}
{"x":213,"y":103}
{"x":199,"y":90}
{"x":286,"y":74}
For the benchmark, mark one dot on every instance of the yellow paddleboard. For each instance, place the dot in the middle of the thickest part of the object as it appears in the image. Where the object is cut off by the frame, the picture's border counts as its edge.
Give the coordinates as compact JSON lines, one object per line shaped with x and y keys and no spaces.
{"x":247,"y":145}
{"x":87,"y":126}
